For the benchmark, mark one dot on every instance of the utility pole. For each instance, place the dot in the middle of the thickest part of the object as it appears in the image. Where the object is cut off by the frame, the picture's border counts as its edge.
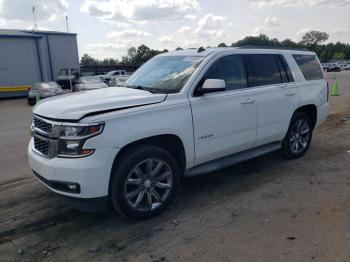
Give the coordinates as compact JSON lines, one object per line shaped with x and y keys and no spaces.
{"x":35,"y":27}
{"x":69,"y":73}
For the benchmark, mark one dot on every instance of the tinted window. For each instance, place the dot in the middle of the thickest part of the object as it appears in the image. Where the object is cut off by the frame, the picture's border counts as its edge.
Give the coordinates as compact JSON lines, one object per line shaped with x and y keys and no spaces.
{"x":264,"y":70}
{"x":231,"y":69}
{"x":309,"y":66}
{"x":286,"y":67}
{"x":282,"y":69}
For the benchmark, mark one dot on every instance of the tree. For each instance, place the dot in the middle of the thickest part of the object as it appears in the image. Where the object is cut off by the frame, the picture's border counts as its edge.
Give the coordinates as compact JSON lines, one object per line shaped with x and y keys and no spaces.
{"x":178,"y":49}
{"x":289,"y":43}
{"x":140,"y":55}
{"x":338,"y":56}
{"x":88,"y":60}
{"x":314,"y":38}
{"x":260,"y":40}
{"x":222,"y":45}
{"x":110,"y":61}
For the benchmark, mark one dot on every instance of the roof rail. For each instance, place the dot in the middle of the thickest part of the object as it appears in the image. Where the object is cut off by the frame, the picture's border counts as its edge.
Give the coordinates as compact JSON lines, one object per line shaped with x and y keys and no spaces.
{"x":272,"y":47}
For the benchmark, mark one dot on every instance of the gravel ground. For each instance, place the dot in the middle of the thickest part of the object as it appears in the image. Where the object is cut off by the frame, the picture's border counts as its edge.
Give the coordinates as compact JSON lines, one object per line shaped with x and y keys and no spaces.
{"x":266,"y":209}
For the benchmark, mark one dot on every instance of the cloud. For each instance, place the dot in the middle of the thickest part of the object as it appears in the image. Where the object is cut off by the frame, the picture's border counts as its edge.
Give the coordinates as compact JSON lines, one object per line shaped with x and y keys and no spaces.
{"x":128,"y":33}
{"x":340,"y":31}
{"x":210,"y":26}
{"x":136,"y":11}
{"x":301,"y":32}
{"x":107,"y":46}
{"x":185,"y":29}
{"x":270,"y":25}
{"x":272,"y":21}
{"x":166,"y":39}
{"x":17,"y":10}
{"x":310,"y":3}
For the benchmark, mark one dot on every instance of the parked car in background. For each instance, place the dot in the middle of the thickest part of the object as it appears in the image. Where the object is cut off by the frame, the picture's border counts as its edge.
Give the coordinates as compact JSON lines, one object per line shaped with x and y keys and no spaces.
{"x":346,"y":67}
{"x":89,"y":83}
{"x":43,"y":90}
{"x":107,"y":77}
{"x":181,"y":114}
{"x":333,"y":68}
{"x":65,"y":77}
{"x":118,"y":80}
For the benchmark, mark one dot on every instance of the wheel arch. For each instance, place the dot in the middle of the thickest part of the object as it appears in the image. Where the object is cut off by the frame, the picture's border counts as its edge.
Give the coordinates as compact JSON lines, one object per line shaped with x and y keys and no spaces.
{"x":169,"y":142}
{"x":310,"y":110}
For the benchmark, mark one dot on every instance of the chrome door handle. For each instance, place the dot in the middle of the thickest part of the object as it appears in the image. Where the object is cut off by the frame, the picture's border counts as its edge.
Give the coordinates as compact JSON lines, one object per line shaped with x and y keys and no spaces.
{"x":290,"y":93}
{"x":247,"y":101}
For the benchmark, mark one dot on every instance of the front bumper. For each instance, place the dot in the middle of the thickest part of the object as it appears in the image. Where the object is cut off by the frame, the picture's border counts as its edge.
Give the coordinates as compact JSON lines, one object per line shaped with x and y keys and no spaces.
{"x":91,"y":174}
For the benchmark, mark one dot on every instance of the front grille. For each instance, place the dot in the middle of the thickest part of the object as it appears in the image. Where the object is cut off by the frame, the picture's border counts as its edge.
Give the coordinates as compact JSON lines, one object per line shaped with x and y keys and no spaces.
{"x":44,"y":126}
{"x":42,"y":146}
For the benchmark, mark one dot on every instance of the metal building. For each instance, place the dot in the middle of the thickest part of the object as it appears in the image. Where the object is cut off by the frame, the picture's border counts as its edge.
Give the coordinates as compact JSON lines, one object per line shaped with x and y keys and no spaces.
{"x":27,"y":57}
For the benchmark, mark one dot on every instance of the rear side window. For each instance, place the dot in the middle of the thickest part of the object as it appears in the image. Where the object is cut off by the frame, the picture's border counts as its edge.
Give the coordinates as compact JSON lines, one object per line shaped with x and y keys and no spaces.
{"x":263,"y":70}
{"x":231,"y":69}
{"x":286,"y":74}
{"x":309,"y":66}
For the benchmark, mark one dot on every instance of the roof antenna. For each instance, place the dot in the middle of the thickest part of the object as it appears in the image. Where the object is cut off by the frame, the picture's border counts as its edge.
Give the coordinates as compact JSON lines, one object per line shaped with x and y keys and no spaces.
{"x":201,"y":49}
{"x":34,"y":16}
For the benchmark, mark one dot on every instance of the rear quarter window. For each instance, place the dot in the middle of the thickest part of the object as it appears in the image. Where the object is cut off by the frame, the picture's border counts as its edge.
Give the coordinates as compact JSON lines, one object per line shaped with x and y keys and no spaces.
{"x":309,"y":66}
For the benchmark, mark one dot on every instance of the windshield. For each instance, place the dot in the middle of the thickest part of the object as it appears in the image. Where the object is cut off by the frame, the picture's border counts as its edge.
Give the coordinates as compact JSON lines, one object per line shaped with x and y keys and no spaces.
{"x":164,"y":74}
{"x":46,"y":86}
{"x":90,"y":80}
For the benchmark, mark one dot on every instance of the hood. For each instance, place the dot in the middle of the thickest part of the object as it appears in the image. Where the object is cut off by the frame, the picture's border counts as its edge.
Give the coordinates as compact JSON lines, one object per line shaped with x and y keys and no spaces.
{"x":75,"y":106}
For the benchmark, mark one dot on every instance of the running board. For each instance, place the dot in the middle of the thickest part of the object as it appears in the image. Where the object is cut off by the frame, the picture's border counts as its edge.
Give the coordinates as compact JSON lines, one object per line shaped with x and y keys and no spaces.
{"x":232,"y":159}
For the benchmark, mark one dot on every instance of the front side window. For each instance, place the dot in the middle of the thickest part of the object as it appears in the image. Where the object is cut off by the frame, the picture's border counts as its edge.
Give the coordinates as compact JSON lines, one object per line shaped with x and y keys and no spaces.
{"x":264,"y":70}
{"x":231,"y":70}
{"x":309,"y":66}
{"x":164,"y":74}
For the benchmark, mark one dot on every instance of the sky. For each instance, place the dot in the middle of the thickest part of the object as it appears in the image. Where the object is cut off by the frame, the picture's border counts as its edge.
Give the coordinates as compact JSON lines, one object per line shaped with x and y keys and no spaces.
{"x":107,"y":28}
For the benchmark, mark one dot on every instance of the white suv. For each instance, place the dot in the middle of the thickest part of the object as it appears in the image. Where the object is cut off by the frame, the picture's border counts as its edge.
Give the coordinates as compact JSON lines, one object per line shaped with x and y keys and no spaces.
{"x":181,"y":114}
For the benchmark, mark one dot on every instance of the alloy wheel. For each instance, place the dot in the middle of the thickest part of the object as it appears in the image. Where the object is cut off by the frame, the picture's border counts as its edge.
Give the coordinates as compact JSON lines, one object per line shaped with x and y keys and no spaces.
{"x":148,"y":184}
{"x":299,"y":136}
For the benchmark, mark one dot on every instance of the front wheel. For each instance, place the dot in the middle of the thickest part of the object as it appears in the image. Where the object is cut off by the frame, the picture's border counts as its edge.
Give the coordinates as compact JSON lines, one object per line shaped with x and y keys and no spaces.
{"x":143,"y":182}
{"x":298,"y":138}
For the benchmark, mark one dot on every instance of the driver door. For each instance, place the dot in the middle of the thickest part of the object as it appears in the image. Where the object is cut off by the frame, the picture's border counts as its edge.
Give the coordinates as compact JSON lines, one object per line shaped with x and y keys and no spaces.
{"x":224,"y":122}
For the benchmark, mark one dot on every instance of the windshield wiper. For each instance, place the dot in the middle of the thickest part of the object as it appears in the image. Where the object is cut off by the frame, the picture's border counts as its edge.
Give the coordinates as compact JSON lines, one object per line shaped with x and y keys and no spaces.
{"x":145,"y":88}
{"x":139,"y":87}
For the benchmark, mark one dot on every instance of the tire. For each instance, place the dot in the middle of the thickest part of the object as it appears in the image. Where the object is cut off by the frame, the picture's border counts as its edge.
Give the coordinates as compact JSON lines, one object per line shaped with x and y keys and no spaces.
{"x":137,"y":193}
{"x":298,"y":138}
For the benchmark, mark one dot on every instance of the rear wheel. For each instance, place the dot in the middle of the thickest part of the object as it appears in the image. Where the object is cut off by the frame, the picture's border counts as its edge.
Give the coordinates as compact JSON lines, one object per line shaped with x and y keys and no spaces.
{"x":298,"y":138}
{"x":143,"y":182}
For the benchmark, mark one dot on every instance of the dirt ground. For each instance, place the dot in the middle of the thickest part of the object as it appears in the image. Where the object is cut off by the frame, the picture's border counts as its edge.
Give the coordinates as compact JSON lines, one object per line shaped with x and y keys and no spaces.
{"x":266,"y":209}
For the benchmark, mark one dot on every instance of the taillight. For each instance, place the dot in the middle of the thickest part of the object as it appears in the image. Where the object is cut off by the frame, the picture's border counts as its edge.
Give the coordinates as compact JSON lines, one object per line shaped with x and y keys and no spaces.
{"x":327,"y":91}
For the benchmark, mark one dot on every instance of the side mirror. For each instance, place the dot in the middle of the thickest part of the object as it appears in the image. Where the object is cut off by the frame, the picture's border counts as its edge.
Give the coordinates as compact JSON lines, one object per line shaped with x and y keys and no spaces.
{"x":212,"y":85}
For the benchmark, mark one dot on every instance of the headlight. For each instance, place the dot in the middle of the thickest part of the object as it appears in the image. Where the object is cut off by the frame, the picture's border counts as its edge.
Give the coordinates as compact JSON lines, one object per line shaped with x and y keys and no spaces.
{"x":72,"y":139}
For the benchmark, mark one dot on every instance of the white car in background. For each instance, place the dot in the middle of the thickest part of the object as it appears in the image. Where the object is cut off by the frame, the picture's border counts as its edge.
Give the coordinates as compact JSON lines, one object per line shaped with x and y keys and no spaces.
{"x":89,"y":83}
{"x":118,"y":80}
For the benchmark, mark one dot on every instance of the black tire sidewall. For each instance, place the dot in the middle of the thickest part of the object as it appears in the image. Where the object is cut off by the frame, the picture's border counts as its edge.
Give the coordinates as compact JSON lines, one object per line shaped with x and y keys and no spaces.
{"x":286,"y":148}
{"x":121,"y":169}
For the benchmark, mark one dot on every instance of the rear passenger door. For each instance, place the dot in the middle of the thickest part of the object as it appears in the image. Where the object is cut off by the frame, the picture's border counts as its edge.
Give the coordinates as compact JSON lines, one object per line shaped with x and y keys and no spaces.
{"x":277,"y":96}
